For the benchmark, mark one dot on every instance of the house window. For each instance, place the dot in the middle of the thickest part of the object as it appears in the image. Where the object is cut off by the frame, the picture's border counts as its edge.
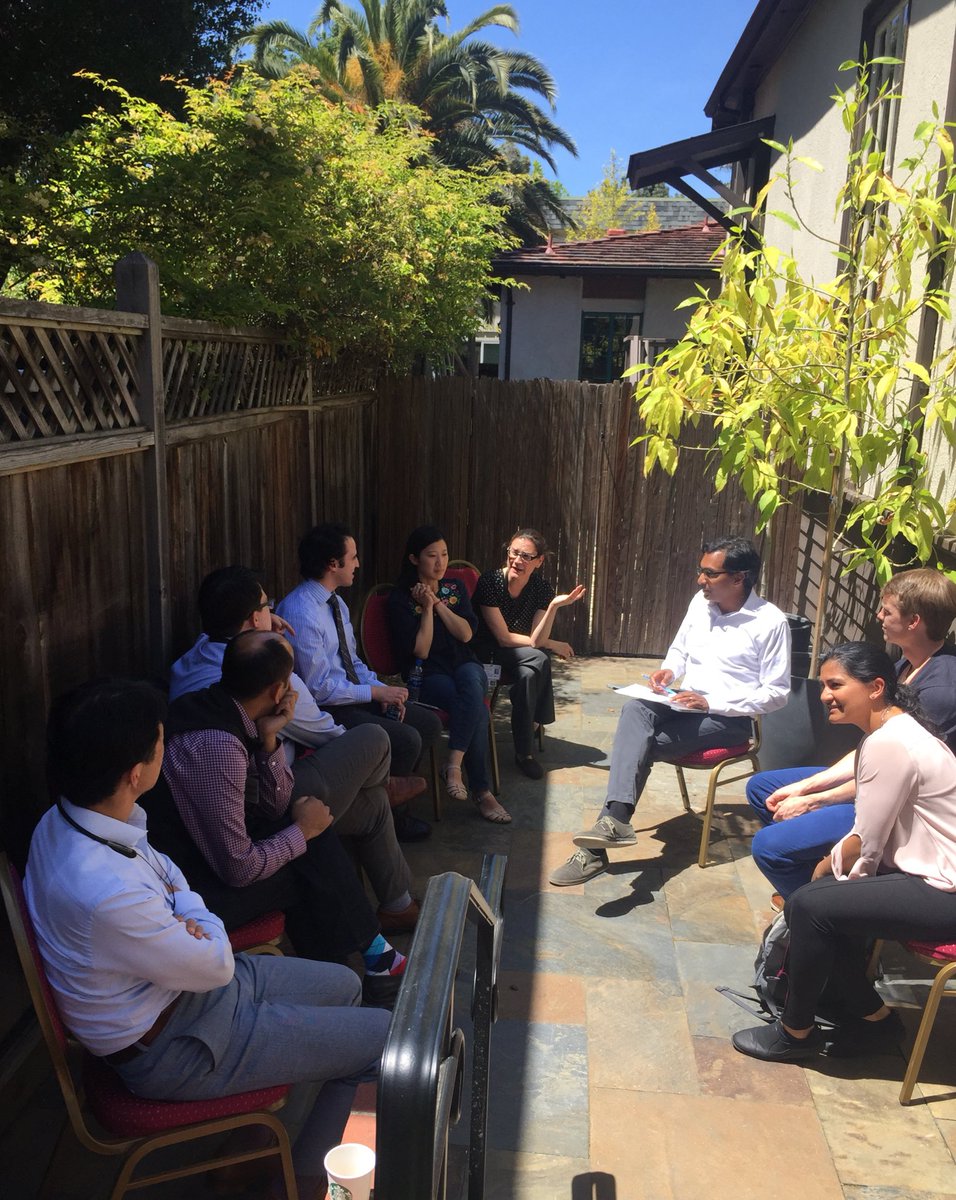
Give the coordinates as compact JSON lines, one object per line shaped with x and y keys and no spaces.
{"x":603,"y":345}
{"x":884,"y":36}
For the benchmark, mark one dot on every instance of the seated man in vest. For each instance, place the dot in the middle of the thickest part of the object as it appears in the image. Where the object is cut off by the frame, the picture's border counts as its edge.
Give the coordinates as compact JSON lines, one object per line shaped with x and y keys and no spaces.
{"x":807,"y":810}
{"x":732,"y":652}
{"x":327,"y":658}
{"x":233,"y":789}
{"x":231,"y":600}
{"x":142,"y":972}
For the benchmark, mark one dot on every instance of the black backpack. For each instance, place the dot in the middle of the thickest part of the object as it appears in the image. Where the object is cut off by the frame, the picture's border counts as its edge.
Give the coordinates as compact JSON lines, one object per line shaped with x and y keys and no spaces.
{"x":770,"y":974}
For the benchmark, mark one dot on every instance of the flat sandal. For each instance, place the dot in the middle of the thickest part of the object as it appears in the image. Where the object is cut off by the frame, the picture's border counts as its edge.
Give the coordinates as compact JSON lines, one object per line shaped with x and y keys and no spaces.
{"x":457,"y":791}
{"x":497,"y":815}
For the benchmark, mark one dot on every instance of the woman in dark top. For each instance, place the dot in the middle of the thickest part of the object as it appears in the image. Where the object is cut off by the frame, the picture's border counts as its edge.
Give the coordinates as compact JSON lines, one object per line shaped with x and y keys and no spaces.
{"x":517,"y":609}
{"x":431,"y":618}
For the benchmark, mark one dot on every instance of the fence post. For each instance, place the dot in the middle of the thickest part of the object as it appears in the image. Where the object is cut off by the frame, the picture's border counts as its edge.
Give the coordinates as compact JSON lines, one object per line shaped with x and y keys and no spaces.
{"x":137,"y":290}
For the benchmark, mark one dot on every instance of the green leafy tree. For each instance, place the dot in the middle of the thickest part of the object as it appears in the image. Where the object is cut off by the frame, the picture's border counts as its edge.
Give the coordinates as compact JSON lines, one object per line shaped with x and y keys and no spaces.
{"x":473,"y":96}
{"x":265,"y":205}
{"x":45,"y":41}
{"x":612,"y":202}
{"x":817,"y":387}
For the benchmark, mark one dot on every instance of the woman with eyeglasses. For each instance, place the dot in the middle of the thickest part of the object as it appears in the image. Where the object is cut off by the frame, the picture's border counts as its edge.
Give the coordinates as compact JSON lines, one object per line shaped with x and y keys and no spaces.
{"x":517,"y":610}
{"x":892,"y":876}
{"x":431,"y":618}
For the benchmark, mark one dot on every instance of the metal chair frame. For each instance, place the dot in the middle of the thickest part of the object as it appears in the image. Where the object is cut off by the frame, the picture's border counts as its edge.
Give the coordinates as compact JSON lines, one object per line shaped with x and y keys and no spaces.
{"x":946,"y":970}
{"x":715,"y":781}
{"x":133,"y":1149}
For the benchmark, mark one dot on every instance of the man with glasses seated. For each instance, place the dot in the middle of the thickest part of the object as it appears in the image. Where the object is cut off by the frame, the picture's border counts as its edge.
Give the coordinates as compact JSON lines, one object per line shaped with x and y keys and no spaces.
{"x":731,"y":659}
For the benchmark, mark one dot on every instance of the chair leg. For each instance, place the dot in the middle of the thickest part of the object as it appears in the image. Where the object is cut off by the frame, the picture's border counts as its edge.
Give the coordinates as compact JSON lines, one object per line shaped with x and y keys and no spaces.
{"x":682,"y":784}
{"x":924,"y":1031}
{"x":281,"y":1149}
{"x":493,"y":750}
{"x":436,"y":785}
{"x":708,"y":817}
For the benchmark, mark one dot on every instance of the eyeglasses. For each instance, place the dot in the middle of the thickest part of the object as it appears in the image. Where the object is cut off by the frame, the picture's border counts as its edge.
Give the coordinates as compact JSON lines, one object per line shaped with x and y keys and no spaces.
{"x":270,"y":604}
{"x":523,"y":554}
{"x":709,"y":574}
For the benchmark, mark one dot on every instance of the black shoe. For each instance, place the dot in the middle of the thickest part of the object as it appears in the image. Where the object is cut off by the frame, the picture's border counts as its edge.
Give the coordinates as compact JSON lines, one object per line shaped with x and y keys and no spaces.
{"x":772,"y":1043}
{"x":409,"y":828}
{"x":381,"y":991}
{"x":856,"y":1036}
{"x":530,"y":765}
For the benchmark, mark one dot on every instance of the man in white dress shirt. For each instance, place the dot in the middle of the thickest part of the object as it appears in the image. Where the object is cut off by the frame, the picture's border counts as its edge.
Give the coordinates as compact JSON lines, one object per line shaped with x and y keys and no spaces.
{"x":143,"y":974}
{"x":732,"y":654}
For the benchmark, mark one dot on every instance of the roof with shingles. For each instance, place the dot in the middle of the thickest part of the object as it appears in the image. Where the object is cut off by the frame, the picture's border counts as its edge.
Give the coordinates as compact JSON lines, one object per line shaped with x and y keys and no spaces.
{"x":686,"y":251}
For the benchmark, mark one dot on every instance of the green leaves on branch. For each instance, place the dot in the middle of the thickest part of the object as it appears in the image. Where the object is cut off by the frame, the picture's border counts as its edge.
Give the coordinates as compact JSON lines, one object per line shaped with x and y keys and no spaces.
{"x":793,"y":385}
{"x":265,"y":205}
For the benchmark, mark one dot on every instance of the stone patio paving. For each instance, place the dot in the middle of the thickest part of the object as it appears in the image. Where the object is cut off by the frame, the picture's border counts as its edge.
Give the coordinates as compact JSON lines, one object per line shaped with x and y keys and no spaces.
{"x":613,"y":1074}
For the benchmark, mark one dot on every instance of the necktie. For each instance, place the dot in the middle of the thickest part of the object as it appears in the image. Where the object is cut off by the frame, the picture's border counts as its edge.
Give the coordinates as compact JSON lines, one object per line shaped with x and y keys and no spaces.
{"x":344,"y":654}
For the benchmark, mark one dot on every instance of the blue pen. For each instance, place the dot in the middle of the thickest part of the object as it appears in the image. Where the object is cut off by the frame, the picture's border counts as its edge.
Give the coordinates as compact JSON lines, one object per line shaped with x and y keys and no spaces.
{"x":668,"y":691}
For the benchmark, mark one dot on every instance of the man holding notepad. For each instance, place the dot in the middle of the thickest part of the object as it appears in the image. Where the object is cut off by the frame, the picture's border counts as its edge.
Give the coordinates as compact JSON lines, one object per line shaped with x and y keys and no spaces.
{"x":729,"y":662}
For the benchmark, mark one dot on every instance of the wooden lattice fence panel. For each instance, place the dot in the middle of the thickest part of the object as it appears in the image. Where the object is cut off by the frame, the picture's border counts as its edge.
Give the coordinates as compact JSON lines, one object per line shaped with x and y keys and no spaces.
{"x":56,"y":381}
{"x":209,"y":375}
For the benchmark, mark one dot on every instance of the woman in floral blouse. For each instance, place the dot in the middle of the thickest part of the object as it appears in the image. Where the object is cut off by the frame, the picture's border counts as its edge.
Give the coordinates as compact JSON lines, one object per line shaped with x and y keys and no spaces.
{"x":431,"y":618}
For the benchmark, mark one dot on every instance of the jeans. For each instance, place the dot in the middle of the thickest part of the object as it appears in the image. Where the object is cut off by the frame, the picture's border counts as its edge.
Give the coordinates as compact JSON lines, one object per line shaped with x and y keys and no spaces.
{"x":830,"y":921}
{"x":279,"y":1020}
{"x":787,"y":851}
{"x":462,"y":696}
{"x":647,"y":733}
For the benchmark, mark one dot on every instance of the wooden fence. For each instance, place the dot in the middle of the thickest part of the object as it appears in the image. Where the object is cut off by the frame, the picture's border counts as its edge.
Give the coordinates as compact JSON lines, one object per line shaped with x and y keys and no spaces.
{"x":480,"y":458}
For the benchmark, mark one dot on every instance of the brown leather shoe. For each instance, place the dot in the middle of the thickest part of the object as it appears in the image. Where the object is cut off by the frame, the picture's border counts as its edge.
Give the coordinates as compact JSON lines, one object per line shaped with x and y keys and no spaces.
{"x":400,"y":922}
{"x":402,"y":788}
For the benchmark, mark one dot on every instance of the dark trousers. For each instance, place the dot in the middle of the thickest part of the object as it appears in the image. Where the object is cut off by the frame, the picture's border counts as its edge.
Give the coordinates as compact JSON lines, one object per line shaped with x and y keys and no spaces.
{"x":831,"y":920}
{"x":527,"y":671}
{"x":409,"y":739}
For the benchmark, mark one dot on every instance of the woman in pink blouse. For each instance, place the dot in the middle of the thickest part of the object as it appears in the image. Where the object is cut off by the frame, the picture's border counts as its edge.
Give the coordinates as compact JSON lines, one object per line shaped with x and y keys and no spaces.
{"x":892,"y":876}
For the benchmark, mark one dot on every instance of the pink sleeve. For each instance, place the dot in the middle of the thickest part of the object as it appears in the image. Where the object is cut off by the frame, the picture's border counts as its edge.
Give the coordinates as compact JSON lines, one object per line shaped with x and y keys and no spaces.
{"x":886,"y":780}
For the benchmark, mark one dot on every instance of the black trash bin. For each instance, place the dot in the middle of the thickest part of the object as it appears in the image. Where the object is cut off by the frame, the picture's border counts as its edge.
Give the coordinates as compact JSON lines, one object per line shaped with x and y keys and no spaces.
{"x":801,"y":630}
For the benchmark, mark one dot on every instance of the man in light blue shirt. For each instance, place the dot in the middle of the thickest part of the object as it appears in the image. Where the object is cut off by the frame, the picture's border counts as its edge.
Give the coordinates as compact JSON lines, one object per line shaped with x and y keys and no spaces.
{"x":143,"y":974}
{"x":326,"y":655}
{"x":232,"y":600}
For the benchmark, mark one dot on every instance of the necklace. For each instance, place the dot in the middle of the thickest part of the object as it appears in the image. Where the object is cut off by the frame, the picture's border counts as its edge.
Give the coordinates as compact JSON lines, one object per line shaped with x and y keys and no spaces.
{"x":886,"y":714}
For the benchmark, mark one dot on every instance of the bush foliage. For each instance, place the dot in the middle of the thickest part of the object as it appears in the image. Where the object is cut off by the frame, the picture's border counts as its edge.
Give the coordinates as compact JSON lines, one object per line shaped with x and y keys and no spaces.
{"x":264,"y":205}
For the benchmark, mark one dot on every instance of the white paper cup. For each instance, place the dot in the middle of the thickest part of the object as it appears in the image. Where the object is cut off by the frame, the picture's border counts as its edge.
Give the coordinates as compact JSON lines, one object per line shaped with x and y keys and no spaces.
{"x":350,"y":1168}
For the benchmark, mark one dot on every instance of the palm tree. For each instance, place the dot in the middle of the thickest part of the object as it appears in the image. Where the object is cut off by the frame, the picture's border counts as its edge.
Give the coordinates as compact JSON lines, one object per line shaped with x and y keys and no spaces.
{"x":473,"y":95}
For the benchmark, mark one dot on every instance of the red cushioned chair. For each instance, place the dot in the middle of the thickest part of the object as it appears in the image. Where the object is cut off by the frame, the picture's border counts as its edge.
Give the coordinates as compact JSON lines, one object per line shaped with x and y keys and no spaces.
{"x":259,"y":936}
{"x":377,"y":652}
{"x":716,"y":760}
{"x":137,"y":1127}
{"x":943,"y":957}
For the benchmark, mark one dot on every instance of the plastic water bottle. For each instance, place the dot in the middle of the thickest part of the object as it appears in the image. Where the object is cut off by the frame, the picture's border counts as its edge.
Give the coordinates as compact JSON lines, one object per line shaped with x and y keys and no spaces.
{"x":415,"y":681}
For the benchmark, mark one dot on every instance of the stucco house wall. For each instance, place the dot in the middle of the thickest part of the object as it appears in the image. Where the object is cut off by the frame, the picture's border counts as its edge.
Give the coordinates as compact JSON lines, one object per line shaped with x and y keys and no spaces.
{"x":797,"y":89}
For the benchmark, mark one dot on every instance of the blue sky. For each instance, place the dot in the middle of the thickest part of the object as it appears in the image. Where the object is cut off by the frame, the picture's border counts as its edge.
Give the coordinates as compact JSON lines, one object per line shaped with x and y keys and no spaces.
{"x":631,"y":74}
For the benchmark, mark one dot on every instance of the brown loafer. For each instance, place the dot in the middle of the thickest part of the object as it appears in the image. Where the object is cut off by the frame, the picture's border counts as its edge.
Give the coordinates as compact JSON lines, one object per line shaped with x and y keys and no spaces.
{"x":402,"y":788}
{"x":399,"y":922}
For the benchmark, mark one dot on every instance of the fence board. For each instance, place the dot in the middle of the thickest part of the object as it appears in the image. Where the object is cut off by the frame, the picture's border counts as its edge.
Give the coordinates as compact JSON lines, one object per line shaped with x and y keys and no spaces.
{"x":557,"y":455}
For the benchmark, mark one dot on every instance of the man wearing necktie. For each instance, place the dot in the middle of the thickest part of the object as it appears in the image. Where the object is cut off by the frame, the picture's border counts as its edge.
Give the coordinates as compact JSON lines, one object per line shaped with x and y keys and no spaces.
{"x":327,"y":659}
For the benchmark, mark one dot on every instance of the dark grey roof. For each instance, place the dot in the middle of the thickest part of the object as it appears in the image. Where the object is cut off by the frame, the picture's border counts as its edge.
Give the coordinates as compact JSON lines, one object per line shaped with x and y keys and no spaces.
{"x":673,"y":212}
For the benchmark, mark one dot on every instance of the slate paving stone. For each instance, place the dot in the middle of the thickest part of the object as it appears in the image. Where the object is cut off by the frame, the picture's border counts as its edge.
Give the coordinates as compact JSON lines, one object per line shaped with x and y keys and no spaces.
{"x":539,"y":1088}
{"x":512,"y":1176}
{"x":560,"y":933}
{"x":660,"y":1146}
{"x":721,"y":1071}
{"x":638,"y":1039}
{"x":703,"y":966}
